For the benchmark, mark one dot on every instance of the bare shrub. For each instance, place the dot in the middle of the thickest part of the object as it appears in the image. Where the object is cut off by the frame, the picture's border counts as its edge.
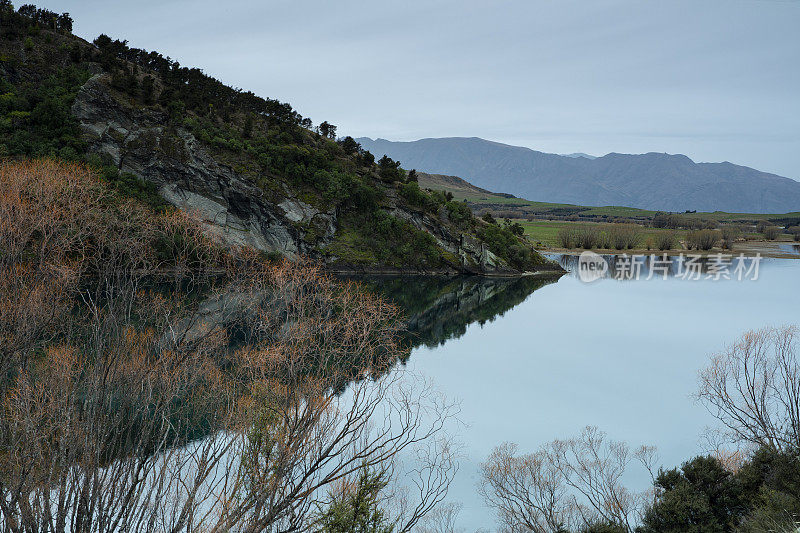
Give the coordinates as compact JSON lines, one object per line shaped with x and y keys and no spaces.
{"x":753,"y":388}
{"x":442,"y":520}
{"x":704,"y":239}
{"x":107,"y":429}
{"x":566,"y":237}
{"x":622,"y":236}
{"x":666,"y":240}
{"x":567,"y":484}
{"x":794,"y":231}
{"x":588,"y":236}
{"x":771,"y":232}
{"x":59,"y":227}
{"x":730,"y":232}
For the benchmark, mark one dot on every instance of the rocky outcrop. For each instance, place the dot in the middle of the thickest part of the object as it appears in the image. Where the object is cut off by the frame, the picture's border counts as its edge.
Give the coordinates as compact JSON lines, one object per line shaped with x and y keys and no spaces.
{"x":141,"y":141}
{"x":136,"y":140}
{"x":473,"y":254}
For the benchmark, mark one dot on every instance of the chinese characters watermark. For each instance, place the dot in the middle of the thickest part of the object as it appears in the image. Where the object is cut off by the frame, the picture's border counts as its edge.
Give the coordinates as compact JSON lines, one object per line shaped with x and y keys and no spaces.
{"x":689,"y":267}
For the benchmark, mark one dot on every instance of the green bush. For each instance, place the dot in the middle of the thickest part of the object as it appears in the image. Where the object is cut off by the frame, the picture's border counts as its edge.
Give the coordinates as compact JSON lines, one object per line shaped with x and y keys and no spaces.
{"x":37,"y":118}
{"x":762,"y":495}
{"x":508,"y":246}
{"x":416,"y":196}
{"x":356,"y":509}
{"x":381,"y":238}
{"x":701,"y":496}
{"x":460,"y":214}
{"x":131,"y":186}
{"x":514,"y":227}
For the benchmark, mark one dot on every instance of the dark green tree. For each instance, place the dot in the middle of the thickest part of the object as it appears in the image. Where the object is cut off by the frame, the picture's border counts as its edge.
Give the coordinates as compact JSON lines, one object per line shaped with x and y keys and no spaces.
{"x":64,"y":22}
{"x":349,"y":145}
{"x":327,"y":130}
{"x":367,"y":158}
{"x":356,"y":509}
{"x":514,"y":227}
{"x":699,"y":497}
{"x":389,"y":169}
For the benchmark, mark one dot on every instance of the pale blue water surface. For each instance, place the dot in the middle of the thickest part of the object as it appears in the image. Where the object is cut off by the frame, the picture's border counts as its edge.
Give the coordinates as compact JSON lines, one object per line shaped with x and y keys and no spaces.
{"x":620,"y":355}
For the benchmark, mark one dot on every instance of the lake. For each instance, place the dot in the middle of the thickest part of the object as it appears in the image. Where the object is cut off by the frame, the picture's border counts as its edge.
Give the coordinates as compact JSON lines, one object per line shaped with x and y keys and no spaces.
{"x":533,"y":360}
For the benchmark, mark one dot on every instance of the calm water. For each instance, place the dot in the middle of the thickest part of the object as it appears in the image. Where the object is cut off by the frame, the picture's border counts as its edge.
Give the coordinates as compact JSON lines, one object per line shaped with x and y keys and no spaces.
{"x":532,"y":361}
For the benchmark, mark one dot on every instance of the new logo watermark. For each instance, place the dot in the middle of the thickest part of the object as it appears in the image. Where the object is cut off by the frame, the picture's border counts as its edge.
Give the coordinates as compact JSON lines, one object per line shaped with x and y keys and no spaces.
{"x":691,"y":267}
{"x":591,"y":267}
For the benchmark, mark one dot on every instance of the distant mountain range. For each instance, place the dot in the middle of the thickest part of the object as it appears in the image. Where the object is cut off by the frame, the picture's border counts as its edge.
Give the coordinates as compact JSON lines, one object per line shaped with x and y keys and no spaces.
{"x":648,"y":181}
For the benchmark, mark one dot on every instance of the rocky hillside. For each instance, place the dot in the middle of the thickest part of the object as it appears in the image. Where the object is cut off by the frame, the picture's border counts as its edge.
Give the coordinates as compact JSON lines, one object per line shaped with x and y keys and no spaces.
{"x":257,"y":172}
{"x":653,"y":181}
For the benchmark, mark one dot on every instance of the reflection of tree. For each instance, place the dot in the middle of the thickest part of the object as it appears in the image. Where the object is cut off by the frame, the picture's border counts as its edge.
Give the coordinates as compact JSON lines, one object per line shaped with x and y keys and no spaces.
{"x":130,"y":405}
{"x":440,"y":308}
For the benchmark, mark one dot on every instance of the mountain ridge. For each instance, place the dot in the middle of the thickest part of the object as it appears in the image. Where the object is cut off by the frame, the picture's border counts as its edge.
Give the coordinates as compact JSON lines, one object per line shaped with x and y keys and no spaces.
{"x":653,"y":180}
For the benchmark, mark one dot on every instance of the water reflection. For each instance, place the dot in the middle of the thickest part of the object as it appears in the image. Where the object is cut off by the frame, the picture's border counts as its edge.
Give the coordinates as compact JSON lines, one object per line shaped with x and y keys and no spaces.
{"x":793,"y":249}
{"x":438,"y":309}
{"x":621,"y":356}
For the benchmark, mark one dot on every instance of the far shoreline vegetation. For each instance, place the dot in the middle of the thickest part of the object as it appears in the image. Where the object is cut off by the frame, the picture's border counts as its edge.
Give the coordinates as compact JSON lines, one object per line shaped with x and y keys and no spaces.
{"x":566,"y":228}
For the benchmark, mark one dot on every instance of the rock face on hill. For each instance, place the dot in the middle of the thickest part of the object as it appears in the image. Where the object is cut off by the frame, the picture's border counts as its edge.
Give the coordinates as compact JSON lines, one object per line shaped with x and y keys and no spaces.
{"x":188,"y":177}
{"x":649,"y":181}
{"x":139,"y":141}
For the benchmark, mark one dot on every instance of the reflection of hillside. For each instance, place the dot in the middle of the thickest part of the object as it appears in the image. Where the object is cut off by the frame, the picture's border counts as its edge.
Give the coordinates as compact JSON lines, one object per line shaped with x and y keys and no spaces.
{"x":440,"y":308}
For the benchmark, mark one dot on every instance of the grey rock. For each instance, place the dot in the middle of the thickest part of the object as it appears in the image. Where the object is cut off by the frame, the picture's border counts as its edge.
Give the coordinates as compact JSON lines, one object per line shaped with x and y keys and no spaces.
{"x":136,"y":141}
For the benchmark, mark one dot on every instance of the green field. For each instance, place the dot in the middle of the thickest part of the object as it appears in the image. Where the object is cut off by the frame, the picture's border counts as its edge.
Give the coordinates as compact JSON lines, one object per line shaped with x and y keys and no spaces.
{"x":546,"y":232}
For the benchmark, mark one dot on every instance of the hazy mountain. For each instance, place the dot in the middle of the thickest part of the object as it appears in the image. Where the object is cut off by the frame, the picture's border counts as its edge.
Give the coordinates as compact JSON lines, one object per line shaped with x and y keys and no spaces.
{"x":648,"y":181}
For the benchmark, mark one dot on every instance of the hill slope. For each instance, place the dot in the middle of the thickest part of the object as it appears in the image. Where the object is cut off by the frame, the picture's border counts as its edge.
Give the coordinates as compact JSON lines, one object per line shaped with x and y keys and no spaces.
{"x":648,"y":181}
{"x":253,"y":169}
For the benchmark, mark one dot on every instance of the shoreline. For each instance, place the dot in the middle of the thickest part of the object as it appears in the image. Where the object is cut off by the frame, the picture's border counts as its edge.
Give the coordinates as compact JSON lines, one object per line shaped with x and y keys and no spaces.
{"x":749,"y":249}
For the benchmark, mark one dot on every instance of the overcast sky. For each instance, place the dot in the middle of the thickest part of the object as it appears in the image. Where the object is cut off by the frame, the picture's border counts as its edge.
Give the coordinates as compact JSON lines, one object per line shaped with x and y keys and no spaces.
{"x":714,"y":79}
